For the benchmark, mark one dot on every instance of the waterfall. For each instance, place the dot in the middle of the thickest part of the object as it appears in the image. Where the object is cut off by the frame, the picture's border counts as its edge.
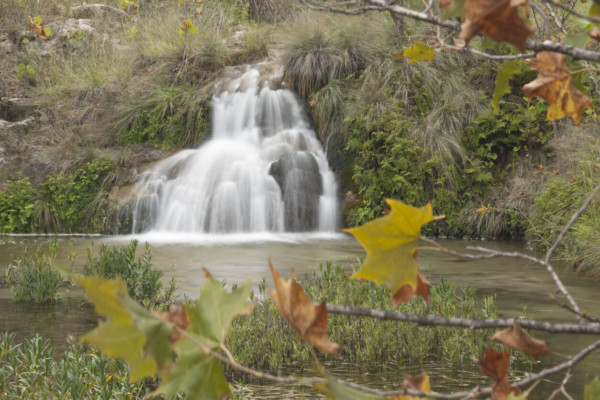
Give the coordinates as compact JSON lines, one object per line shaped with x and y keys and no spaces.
{"x":262,"y":170}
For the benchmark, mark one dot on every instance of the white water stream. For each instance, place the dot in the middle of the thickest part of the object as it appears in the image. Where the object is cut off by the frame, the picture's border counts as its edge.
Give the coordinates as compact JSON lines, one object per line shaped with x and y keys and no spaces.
{"x":263,"y":170}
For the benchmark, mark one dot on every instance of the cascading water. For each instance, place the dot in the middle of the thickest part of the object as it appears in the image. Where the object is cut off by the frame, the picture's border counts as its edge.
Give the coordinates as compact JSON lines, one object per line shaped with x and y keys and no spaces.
{"x":263,"y":170}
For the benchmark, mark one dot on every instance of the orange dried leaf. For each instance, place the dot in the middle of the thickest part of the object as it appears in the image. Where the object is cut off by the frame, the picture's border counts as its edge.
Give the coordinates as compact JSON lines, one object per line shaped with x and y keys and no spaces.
{"x":406,"y":292}
{"x":495,"y":365}
{"x":498,"y":19}
{"x":308,"y":319}
{"x":555,"y":85}
{"x":419,"y":382}
{"x":595,"y":34}
{"x":517,"y":338}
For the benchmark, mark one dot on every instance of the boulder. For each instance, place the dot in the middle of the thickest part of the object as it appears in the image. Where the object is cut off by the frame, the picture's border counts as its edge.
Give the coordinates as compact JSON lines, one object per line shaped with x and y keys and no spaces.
{"x":301,"y":185}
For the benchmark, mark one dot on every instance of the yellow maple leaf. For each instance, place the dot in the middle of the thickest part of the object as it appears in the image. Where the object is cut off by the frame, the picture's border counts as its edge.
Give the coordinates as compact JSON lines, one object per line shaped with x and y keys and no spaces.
{"x":391,"y":244}
{"x":555,"y":85}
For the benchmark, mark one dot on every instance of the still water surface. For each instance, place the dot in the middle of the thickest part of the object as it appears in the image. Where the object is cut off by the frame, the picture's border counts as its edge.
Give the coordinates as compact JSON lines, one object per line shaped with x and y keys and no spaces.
{"x":235,"y":259}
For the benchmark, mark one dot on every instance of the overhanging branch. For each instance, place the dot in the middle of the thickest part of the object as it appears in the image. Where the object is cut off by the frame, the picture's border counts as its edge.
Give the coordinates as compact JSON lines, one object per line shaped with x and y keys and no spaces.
{"x":432,"y":320}
{"x":382,"y":5}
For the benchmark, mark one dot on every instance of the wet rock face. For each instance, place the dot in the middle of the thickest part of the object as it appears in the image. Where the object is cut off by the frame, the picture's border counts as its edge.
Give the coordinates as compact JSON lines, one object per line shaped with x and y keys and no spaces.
{"x":301,"y":186}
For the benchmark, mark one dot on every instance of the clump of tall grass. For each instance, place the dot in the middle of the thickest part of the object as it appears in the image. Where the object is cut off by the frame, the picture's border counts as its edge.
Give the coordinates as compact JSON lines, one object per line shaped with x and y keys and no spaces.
{"x":62,"y":75}
{"x":318,"y":51}
{"x":165,"y":116}
{"x":32,"y":277}
{"x":271,"y":11}
{"x":367,"y":342}
{"x":325,"y":108}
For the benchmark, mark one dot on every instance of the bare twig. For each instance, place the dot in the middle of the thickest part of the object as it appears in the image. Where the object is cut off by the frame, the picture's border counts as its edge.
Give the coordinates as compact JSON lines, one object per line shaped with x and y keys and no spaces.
{"x":570,"y":309}
{"x":567,"y":365}
{"x":574,"y":12}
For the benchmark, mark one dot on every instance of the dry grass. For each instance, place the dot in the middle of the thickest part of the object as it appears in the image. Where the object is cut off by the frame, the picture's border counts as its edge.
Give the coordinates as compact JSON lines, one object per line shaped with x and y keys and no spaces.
{"x":321,"y":48}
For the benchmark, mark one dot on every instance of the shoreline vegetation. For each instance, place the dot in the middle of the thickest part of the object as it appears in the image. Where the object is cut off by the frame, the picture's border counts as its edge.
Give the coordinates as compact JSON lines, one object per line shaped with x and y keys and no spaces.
{"x":34,"y":368}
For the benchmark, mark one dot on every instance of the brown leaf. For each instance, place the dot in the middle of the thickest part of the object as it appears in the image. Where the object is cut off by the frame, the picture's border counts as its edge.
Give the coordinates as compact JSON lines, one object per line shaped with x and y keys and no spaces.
{"x":555,"y":85}
{"x":495,"y":365}
{"x":595,"y":34}
{"x":445,"y":3}
{"x":308,"y":319}
{"x":498,"y":19}
{"x":178,"y":317}
{"x":517,"y":338}
{"x":406,"y":292}
{"x":419,"y":382}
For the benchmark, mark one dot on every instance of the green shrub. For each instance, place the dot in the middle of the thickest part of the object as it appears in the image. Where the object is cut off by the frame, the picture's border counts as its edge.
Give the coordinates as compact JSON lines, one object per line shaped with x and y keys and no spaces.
{"x":367,"y":342}
{"x":143,"y":282}
{"x":555,"y":205}
{"x":77,"y":202}
{"x":32,"y":370}
{"x":17,"y":202}
{"x":33,"y":279}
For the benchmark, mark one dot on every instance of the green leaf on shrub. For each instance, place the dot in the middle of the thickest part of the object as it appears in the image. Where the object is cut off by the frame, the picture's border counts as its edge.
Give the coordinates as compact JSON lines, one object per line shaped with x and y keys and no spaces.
{"x":592,"y":391}
{"x":505,"y":72}
{"x":594,"y":9}
{"x":47,"y":31}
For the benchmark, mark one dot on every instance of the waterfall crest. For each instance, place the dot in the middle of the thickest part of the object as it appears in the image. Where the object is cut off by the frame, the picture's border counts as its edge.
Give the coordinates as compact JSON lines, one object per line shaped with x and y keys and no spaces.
{"x":262,"y":170}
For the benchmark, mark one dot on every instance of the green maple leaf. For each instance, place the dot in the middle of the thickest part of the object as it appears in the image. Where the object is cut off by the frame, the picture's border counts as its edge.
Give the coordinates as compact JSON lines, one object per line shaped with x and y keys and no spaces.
{"x":195,"y":372}
{"x":118,"y":336}
{"x":211,"y":316}
{"x":391,"y":245}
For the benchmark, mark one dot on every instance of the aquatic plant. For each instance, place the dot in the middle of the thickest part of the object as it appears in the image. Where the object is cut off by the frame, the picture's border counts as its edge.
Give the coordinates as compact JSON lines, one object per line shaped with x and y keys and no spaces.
{"x":142,"y":281}
{"x":32,"y":278}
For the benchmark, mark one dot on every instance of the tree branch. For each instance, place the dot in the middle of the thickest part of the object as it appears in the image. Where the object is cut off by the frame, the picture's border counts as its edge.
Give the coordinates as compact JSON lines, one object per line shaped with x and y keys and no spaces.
{"x":432,"y":320}
{"x":382,"y":5}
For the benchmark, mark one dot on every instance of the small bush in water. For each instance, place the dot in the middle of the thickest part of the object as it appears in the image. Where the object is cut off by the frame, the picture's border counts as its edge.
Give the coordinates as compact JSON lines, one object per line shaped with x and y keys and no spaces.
{"x":32,"y":277}
{"x":143,"y":282}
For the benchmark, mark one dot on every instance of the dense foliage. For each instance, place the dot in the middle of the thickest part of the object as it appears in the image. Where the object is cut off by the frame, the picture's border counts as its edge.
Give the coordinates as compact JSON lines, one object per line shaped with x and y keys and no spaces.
{"x":368,"y":343}
{"x":64,"y":202}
